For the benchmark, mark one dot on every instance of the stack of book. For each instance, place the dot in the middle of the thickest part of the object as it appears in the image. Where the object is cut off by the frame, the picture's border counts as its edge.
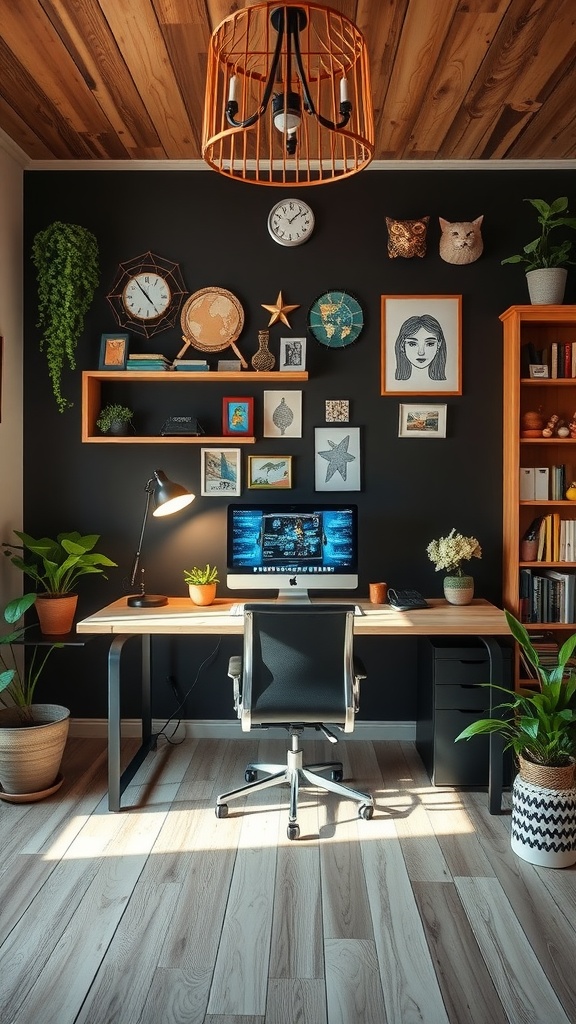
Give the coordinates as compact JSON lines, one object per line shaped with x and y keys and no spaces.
{"x":148,"y":361}
{"x":190,"y":365}
{"x":547,"y":596}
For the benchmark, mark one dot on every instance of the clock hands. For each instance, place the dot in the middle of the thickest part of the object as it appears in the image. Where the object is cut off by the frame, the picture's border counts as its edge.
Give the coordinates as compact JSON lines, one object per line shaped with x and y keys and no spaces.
{"x":147,"y":297}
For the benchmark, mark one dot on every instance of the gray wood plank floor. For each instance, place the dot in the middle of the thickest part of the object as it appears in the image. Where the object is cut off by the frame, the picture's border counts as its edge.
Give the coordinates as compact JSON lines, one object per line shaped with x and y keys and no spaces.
{"x":163,"y":914}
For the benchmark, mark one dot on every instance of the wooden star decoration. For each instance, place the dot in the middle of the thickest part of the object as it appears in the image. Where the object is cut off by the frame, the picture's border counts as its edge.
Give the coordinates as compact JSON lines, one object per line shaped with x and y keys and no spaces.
{"x":279,"y":311}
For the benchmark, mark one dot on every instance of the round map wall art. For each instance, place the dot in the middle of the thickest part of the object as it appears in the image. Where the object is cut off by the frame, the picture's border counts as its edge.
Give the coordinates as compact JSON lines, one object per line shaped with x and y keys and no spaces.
{"x":336,"y":319}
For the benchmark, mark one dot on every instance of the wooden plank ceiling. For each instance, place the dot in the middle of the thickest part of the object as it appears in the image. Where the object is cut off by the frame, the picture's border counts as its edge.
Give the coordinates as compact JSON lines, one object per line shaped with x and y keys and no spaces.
{"x":451,"y":79}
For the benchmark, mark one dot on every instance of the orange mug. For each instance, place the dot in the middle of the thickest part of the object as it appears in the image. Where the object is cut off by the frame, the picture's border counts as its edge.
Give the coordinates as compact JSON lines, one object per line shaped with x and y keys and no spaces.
{"x":378,"y":593}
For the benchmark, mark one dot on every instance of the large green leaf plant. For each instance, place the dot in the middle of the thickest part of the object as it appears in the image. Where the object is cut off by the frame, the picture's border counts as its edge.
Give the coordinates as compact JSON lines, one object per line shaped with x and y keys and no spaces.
{"x":540,"y":253}
{"x":16,"y":683}
{"x":55,"y":565}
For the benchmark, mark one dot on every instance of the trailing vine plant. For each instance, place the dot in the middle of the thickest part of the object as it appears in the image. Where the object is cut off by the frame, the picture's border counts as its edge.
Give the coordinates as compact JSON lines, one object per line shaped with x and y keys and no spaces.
{"x":66,"y":261}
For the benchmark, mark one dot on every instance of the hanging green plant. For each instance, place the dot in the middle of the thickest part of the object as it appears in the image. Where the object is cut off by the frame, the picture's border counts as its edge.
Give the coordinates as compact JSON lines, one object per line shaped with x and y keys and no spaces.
{"x":66,"y":261}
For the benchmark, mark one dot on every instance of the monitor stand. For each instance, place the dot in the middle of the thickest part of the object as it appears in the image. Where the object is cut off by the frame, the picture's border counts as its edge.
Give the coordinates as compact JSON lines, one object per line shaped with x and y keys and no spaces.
{"x":286,"y":595}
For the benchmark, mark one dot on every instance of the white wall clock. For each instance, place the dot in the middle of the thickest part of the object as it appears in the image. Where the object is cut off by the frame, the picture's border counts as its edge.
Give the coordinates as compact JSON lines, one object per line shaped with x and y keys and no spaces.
{"x":147,"y":294}
{"x":291,"y":222}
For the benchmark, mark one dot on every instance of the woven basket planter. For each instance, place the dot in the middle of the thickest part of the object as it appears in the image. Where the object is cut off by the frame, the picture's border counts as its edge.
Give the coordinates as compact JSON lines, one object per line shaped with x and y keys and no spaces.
{"x":30,"y":755}
{"x":544,"y":815}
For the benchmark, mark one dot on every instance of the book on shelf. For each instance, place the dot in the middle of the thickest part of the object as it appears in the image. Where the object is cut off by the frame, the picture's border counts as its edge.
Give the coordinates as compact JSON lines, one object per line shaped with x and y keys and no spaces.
{"x":157,"y":356}
{"x":147,"y":364}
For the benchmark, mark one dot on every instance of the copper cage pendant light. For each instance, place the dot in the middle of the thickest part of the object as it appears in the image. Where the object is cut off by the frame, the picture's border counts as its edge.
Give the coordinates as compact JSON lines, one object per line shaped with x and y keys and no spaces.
{"x":288,"y":96}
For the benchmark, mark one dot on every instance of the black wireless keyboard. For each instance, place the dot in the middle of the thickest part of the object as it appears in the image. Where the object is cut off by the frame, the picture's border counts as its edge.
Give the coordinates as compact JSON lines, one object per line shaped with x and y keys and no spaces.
{"x":406,"y":600}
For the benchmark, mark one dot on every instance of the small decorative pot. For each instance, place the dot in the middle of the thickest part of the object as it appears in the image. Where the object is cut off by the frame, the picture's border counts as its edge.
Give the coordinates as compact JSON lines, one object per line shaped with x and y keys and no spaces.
{"x":202,"y":593}
{"x":263,"y":359}
{"x":544,"y":816}
{"x":458,"y":589}
{"x":546,"y":286}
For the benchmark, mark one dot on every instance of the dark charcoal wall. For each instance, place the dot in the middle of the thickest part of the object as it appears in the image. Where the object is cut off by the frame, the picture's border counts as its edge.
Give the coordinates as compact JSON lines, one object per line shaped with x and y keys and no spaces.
{"x":412,"y":491}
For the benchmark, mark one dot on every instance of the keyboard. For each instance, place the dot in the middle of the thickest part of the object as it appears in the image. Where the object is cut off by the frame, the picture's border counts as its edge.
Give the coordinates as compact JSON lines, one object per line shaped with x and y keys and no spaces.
{"x":238,"y":609}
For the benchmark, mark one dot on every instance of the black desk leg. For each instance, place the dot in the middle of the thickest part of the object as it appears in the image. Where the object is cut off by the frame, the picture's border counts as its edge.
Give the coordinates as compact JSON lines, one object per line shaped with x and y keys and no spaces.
{"x":117,"y":782}
{"x":495,"y":741}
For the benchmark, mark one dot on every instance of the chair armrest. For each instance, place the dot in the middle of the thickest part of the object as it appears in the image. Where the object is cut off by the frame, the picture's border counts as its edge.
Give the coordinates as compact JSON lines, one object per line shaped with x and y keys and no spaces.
{"x":359,"y":673}
{"x":359,"y":669}
{"x":235,"y":673}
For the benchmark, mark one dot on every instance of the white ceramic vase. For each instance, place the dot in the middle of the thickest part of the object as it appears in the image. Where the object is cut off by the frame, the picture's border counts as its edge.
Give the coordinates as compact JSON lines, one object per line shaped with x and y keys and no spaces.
{"x":546,"y":286}
{"x":458,"y":589}
{"x":543,"y":824}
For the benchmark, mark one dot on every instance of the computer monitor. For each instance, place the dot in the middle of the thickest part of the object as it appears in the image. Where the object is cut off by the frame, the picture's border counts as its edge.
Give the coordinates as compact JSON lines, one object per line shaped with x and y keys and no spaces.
{"x":292,"y":548}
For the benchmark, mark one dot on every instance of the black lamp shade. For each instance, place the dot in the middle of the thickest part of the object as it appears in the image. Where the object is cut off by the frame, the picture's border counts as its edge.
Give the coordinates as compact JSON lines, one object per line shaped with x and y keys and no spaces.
{"x":169,"y":497}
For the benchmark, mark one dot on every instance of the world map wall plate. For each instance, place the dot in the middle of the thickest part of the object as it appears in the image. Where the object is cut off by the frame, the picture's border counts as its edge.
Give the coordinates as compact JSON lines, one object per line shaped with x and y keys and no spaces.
{"x":336,"y":319}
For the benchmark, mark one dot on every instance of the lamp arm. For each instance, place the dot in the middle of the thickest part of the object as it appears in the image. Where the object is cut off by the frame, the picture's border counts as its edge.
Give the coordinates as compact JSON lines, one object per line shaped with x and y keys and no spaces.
{"x":345,"y":106}
{"x":232,"y":105}
{"x":137,"y":555}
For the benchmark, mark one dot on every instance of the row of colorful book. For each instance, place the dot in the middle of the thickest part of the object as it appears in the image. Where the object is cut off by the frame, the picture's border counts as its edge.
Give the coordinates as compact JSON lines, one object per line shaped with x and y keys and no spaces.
{"x":559,"y":358}
{"x":556,"y":538}
{"x":547,"y":596}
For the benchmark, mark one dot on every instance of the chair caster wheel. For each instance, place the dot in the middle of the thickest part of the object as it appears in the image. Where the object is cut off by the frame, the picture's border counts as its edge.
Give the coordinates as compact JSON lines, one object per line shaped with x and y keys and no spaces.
{"x":337,"y":775}
{"x":221,"y":810}
{"x":250,"y":775}
{"x":366,"y":811}
{"x":293,"y":831}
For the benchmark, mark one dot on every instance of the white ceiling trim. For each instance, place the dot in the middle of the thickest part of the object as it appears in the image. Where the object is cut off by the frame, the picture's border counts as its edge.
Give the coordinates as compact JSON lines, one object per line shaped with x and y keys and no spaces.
{"x":376,"y":165}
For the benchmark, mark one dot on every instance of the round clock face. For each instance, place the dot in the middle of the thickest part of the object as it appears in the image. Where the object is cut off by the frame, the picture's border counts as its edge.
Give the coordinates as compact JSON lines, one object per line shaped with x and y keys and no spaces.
{"x":146,"y":296}
{"x":291,"y":222}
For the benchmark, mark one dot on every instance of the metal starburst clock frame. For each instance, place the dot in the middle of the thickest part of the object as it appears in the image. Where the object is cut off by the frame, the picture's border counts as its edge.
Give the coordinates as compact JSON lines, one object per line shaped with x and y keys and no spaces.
{"x":147,"y":294}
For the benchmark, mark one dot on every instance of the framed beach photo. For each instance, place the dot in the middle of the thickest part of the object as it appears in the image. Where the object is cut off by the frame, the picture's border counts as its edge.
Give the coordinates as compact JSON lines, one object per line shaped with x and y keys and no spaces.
{"x":270,"y":472}
{"x":337,"y":458}
{"x":220,"y":472}
{"x":238,"y":417}
{"x":113,"y":351}
{"x":421,"y":344}
{"x":282,"y":414}
{"x":292,"y":353}
{"x":422,"y":421}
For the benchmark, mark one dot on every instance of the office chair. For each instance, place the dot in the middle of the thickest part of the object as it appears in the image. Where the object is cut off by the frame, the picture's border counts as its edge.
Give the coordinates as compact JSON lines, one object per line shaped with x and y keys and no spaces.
{"x":297,"y":670}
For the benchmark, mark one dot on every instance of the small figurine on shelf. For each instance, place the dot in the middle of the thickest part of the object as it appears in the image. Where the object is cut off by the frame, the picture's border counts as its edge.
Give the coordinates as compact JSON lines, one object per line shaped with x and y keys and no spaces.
{"x":552,"y":426}
{"x":572,"y":426}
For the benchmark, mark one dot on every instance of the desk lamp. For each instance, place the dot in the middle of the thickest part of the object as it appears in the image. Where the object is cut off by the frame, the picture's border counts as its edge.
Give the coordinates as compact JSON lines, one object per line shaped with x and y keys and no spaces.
{"x":168,"y":498}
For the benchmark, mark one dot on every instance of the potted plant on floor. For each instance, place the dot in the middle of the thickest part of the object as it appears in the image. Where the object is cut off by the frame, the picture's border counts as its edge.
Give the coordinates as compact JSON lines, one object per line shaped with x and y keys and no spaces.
{"x":55,"y":566}
{"x":115,"y":419}
{"x":202,"y":583}
{"x":540,"y":727}
{"x":32,"y":736}
{"x":546,"y":263}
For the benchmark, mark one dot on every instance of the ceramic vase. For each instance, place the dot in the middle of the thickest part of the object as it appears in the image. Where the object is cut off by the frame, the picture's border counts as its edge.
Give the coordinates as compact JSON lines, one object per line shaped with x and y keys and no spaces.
{"x":263,"y":358}
{"x":458,"y":589}
{"x":546,"y":286}
{"x":544,"y":815}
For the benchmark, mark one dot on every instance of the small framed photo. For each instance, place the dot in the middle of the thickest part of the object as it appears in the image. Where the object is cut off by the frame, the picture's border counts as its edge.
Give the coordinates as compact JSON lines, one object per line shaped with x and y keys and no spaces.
{"x":270,"y":472}
{"x":292,"y":353}
{"x":337,"y":458}
{"x":220,"y":472}
{"x":421,"y":344}
{"x":538,"y":370}
{"x":422,"y":421}
{"x":113,"y":351}
{"x":282,"y":414}
{"x":337,"y":410}
{"x":238,"y":417}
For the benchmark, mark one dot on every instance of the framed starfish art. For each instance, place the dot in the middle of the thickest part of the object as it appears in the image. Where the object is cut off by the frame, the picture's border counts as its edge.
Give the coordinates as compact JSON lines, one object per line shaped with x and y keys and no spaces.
{"x":337,"y":458}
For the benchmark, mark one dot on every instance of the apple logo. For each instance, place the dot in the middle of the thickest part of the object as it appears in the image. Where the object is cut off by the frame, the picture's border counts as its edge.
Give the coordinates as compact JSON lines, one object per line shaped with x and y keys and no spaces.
{"x":292,"y":581}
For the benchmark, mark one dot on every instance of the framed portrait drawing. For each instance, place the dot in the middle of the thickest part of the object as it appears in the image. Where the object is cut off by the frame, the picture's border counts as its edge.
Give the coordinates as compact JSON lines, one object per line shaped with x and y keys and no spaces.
{"x":422,"y":421}
{"x":113,"y":352}
{"x":270,"y":472}
{"x":238,"y":417}
{"x":220,"y":472}
{"x":421,"y":345}
{"x":337,"y":458}
{"x":292,"y":354}
{"x":282,"y":414}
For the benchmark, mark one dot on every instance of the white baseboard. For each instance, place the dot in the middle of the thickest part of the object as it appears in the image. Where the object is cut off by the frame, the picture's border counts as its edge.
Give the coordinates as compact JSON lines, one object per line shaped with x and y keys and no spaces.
{"x":223,"y":729}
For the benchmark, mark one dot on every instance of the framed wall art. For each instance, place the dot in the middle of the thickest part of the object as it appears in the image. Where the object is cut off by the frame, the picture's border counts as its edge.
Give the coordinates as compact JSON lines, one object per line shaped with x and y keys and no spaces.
{"x":282,"y":414}
{"x":292,"y":353}
{"x":421,"y":344}
{"x":422,"y":421}
{"x":113,"y":351}
{"x":270,"y":472}
{"x":337,"y":410}
{"x":238,"y":417}
{"x":220,"y":472}
{"x":337,"y":458}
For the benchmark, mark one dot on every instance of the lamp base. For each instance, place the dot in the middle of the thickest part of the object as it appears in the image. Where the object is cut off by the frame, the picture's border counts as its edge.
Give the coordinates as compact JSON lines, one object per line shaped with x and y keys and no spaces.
{"x":146,"y":601}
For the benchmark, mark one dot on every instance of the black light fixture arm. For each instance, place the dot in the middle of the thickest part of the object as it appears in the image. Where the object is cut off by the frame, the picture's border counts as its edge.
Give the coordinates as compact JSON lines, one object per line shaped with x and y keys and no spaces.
{"x":345,"y":105}
{"x":232,"y":104}
{"x":149,"y":489}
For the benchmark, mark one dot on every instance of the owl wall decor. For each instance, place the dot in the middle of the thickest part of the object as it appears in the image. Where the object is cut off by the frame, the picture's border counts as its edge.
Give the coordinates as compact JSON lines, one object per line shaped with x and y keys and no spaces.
{"x":407,"y":238}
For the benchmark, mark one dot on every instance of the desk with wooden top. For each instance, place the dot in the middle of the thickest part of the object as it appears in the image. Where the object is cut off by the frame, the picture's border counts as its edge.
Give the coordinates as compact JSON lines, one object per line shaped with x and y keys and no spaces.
{"x":480,"y":619}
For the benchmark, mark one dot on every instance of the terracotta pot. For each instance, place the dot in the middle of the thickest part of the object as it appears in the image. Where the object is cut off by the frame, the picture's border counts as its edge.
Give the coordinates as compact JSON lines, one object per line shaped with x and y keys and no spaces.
{"x":202,"y":593}
{"x":30,"y":755}
{"x":56,"y":614}
{"x":458,"y":589}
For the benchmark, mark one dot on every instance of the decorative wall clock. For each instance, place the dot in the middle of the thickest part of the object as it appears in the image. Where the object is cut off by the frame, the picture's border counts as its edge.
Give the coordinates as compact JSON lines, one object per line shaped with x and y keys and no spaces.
{"x":291,"y":222}
{"x":336,"y":319}
{"x":147,"y":294}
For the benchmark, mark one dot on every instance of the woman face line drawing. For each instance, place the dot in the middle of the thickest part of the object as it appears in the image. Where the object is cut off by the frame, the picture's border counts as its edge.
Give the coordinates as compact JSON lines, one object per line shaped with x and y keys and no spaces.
{"x":421,"y":345}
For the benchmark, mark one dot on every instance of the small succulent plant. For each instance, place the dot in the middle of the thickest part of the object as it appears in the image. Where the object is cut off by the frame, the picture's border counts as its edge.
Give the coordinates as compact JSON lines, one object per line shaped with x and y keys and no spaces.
{"x":199,"y":577}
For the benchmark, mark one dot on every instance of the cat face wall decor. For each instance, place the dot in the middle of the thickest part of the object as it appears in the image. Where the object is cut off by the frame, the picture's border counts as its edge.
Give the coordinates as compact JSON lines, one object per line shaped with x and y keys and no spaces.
{"x":407,"y":238}
{"x":461,"y":240}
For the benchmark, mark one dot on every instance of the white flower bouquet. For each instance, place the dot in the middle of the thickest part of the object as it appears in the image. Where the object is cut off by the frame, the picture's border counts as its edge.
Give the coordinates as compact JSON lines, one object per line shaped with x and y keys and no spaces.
{"x":449,"y":552}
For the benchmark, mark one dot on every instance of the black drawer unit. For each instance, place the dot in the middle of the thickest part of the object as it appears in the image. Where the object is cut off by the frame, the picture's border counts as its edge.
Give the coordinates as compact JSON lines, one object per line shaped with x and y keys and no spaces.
{"x":450,"y":697}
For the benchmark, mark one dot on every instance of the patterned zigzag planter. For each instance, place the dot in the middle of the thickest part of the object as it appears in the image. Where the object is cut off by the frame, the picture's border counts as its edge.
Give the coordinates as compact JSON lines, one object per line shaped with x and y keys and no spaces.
{"x":544,"y":824}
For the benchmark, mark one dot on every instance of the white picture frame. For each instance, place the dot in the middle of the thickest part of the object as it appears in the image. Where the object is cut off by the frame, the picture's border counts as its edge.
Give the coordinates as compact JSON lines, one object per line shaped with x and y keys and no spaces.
{"x":337,"y":458}
{"x":421,"y":344}
{"x":282,"y":414}
{"x":292,"y":354}
{"x":220,"y":472}
{"x":422,"y":420}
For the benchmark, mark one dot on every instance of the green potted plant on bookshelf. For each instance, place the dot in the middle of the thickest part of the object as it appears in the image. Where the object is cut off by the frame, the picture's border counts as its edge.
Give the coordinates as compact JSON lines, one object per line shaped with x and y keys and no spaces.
{"x":66,"y":261}
{"x":546,"y":262}
{"x":55,"y":566}
{"x":115,"y":419}
{"x":32,"y":736}
{"x":202,"y":583}
{"x":539,"y":725}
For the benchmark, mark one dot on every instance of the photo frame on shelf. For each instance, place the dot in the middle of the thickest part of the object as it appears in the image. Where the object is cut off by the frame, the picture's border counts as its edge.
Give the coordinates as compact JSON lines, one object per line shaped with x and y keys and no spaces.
{"x":270,"y":472}
{"x":238,"y":417}
{"x":282,"y":414}
{"x":292,"y":354}
{"x":113,"y":351}
{"x":337,"y":458}
{"x":421,"y":344}
{"x":538,"y":371}
{"x":220,"y":472}
{"x":422,"y":421}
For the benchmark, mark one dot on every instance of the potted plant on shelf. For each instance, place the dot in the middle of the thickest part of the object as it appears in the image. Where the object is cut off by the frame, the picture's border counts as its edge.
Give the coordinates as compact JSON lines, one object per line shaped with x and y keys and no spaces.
{"x":66,"y":261}
{"x":540,"y":727}
{"x":546,"y":263}
{"x":55,"y":566}
{"x":448,"y":553}
{"x":115,"y":419}
{"x":202,"y":583}
{"x":32,"y":736}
